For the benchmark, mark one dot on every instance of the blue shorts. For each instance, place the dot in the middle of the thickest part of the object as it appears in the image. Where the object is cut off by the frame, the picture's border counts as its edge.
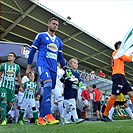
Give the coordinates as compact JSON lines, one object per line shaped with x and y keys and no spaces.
{"x":46,"y":74}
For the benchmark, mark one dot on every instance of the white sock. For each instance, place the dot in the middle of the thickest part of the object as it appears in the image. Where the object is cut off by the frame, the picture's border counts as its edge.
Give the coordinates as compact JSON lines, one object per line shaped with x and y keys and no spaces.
{"x":53,"y":108}
{"x":68,"y":116}
{"x":16,"y":115}
{"x":65,"y":110}
{"x":73,"y":112}
{"x":60,"y":107}
{"x":111,"y":113}
{"x":129,"y":112}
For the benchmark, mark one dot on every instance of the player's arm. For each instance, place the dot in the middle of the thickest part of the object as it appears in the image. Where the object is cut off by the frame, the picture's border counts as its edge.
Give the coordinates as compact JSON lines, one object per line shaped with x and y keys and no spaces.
{"x":60,"y":55}
{"x":82,"y":95}
{"x":30,"y":59}
{"x":94,"y":96}
{"x":0,"y":75}
{"x":127,"y":58}
{"x":100,"y":96}
{"x":19,"y":80}
{"x":1,"y":70}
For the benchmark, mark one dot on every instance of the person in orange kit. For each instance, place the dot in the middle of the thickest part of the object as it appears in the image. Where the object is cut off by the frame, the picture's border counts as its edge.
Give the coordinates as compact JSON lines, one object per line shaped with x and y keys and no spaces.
{"x":120,"y":84}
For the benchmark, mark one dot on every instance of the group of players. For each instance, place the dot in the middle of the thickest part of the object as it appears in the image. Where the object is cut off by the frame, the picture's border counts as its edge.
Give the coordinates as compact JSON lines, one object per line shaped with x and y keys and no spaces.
{"x":50,"y":48}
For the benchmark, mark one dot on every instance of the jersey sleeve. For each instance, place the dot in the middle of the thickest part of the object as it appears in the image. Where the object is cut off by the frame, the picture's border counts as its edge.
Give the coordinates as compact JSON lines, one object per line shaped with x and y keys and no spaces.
{"x":61,"y":45}
{"x":24,"y":85}
{"x":126,"y":58}
{"x":36,"y":41}
{"x":2,"y":67}
{"x":60,"y":54}
{"x":18,"y":70}
{"x":82,"y":94}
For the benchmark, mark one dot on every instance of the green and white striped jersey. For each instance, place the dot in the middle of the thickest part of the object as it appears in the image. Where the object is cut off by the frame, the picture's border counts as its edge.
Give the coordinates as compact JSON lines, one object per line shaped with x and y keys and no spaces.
{"x":30,"y":88}
{"x":9,"y":74}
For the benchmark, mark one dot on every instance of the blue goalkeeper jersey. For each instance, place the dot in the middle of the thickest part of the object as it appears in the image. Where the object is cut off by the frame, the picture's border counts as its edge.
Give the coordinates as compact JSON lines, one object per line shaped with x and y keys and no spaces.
{"x":48,"y":48}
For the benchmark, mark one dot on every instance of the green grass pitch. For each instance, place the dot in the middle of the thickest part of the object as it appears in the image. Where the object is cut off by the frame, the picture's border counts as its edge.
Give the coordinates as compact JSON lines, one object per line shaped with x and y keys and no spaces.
{"x":119,"y":126}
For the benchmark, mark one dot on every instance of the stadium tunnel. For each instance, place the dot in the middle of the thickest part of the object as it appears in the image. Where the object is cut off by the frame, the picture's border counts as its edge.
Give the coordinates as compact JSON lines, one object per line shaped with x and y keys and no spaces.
{"x":21,"y":50}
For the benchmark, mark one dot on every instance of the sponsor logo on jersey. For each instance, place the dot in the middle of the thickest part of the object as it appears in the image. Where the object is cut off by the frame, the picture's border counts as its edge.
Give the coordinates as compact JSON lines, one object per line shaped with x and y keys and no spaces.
{"x":52,"y":47}
{"x":9,"y":73}
{"x":51,"y":55}
{"x":31,"y":89}
{"x":47,"y":38}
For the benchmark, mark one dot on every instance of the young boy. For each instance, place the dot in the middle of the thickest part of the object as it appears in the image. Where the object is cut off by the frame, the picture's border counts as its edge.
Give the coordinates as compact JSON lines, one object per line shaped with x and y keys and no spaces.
{"x":71,"y":83}
{"x":29,"y":98}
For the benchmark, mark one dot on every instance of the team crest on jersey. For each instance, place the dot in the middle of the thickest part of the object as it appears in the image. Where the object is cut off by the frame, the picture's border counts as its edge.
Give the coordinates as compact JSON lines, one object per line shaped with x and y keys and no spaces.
{"x":47,"y":38}
{"x":9,"y":73}
{"x":52,"y":47}
{"x":31,"y":89}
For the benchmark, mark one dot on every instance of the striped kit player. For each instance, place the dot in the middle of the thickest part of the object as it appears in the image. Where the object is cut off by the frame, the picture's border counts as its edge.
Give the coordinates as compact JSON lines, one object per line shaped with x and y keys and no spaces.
{"x":29,"y":98}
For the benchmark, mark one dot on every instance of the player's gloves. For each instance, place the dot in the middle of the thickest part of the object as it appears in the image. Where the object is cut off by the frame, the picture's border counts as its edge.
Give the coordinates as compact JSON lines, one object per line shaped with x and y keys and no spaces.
{"x":80,"y":85}
{"x":66,"y":75}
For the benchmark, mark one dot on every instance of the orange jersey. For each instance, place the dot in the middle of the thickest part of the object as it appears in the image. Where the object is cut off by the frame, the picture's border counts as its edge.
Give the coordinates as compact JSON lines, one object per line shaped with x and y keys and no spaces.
{"x":118,"y":64}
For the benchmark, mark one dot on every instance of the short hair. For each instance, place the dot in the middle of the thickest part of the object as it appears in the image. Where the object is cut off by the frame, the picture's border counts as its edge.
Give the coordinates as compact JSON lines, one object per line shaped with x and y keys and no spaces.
{"x":94,"y":86}
{"x":13,"y":54}
{"x":116,"y":44}
{"x":37,"y":94}
{"x":53,"y":18}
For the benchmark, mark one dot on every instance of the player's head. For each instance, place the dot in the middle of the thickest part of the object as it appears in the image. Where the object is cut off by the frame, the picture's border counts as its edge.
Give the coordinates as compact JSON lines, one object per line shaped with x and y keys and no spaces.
{"x":94,"y":86}
{"x":53,"y":24}
{"x":31,"y":76}
{"x":106,"y":99}
{"x":11,"y":56}
{"x":117,"y":44}
{"x":73,"y":63}
{"x":88,"y":88}
{"x":37,"y":97}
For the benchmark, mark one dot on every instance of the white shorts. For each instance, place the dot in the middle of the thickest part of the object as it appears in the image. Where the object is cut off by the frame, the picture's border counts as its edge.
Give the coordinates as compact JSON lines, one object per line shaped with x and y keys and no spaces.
{"x":57,"y":92}
{"x":28,"y":103}
{"x":86,"y":103}
{"x":68,"y":103}
{"x":20,"y":98}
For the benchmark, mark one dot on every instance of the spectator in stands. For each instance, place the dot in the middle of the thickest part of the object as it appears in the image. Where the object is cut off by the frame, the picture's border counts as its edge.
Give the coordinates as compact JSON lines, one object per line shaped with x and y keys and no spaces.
{"x":97,"y":95}
{"x":92,"y":75}
{"x":86,"y":101}
{"x":101,"y":74}
{"x":82,"y":75}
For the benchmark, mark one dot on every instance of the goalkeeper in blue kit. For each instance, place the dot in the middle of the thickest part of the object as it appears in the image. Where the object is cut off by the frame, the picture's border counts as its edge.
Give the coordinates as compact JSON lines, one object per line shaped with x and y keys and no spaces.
{"x":49,"y":48}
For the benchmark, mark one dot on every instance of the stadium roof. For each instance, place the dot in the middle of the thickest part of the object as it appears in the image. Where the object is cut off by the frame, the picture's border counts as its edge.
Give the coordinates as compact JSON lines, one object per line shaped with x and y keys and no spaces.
{"x":22,"y":20}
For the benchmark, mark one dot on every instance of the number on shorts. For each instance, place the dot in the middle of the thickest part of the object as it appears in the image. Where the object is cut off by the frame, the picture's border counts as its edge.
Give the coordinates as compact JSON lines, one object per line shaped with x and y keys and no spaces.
{"x":47,"y":74}
{"x":3,"y":94}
